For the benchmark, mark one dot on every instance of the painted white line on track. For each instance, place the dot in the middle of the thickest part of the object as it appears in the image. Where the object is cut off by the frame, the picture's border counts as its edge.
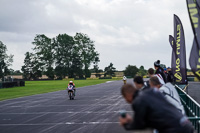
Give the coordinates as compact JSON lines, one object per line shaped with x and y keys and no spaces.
{"x":73,"y":123}
{"x":67,"y":123}
{"x":69,"y":112}
{"x":67,"y":105}
{"x":35,"y":117}
{"x":109,"y":81}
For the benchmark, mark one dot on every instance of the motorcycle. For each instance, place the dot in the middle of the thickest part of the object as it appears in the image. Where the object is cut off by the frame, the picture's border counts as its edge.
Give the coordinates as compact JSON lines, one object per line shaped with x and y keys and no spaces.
{"x":71,"y":92}
{"x":124,"y":82}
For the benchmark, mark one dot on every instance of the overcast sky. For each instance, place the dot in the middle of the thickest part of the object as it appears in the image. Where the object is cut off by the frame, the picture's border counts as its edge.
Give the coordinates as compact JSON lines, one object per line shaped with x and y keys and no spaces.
{"x":125,"y":32}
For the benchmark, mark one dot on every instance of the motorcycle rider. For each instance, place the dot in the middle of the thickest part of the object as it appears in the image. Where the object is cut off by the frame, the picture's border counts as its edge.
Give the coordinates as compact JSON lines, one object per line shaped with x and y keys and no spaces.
{"x":71,"y":83}
{"x":124,"y":79}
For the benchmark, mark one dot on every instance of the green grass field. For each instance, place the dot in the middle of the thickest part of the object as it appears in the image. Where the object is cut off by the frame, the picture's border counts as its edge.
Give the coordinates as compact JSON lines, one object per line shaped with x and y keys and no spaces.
{"x":38,"y":87}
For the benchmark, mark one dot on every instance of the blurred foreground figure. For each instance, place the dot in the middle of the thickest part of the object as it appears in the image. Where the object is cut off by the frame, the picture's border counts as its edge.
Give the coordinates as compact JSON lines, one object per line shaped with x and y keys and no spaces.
{"x":139,"y":83}
{"x":152,"y":110}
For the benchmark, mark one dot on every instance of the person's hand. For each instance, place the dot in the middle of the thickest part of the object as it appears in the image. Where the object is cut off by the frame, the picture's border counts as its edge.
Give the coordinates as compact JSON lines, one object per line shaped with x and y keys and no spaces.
{"x":125,"y":120}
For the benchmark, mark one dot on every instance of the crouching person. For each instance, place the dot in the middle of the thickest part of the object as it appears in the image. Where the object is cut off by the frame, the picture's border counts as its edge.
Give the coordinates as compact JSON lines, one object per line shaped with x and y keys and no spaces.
{"x":152,"y":110}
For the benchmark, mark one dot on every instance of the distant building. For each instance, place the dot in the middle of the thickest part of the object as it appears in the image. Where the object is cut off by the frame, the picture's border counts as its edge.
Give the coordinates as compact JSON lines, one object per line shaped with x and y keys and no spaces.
{"x":93,"y":75}
{"x":43,"y":77}
{"x":14,"y":76}
{"x":117,"y":74}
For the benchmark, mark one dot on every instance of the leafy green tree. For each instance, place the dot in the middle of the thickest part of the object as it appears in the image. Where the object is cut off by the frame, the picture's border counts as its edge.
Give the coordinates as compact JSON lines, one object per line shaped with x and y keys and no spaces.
{"x":5,"y":61}
{"x":59,"y":71}
{"x":87,"y":51}
{"x":27,"y":67}
{"x":96,"y":67}
{"x":11,"y":71}
{"x":14,"y":72}
{"x":32,"y":67}
{"x":44,"y":49}
{"x":76,"y":70}
{"x":131,"y":71}
{"x":37,"y":68}
{"x":17,"y":72}
{"x":50,"y":72}
{"x":109,"y":70}
{"x":142,"y":71}
{"x":64,"y":48}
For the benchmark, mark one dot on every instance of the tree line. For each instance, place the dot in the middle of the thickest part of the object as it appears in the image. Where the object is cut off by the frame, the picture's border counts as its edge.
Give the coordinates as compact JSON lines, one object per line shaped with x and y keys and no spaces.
{"x":61,"y":56}
{"x":132,"y":71}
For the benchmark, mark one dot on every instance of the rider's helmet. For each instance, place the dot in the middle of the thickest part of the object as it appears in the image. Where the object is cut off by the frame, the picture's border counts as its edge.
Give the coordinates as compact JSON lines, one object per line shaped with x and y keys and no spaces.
{"x":71,"y":83}
{"x":124,"y":78}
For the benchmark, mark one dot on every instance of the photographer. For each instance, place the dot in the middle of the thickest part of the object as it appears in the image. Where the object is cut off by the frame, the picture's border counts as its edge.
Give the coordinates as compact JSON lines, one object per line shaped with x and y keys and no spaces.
{"x":152,"y":110}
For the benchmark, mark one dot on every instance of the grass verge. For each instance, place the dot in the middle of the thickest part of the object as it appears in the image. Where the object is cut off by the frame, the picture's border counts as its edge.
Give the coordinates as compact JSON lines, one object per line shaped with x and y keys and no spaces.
{"x":39,"y":87}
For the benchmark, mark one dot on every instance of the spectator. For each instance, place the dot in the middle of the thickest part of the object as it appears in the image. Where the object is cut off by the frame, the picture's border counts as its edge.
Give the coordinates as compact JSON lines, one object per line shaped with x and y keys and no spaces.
{"x":152,"y":110}
{"x":170,"y":76}
{"x":160,"y":70}
{"x":152,"y":74}
{"x":165,"y":72}
{"x":169,"y":92}
{"x":139,"y":83}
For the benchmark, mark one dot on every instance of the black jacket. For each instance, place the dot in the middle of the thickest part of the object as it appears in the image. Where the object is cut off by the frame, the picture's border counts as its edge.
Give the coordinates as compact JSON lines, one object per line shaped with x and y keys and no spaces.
{"x":161,"y":72}
{"x":152,"y":110}
{"x":170,"y":77}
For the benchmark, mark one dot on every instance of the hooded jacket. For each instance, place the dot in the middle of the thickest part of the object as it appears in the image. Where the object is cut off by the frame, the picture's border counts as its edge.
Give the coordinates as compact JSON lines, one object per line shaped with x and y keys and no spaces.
{"x":172,"y":96}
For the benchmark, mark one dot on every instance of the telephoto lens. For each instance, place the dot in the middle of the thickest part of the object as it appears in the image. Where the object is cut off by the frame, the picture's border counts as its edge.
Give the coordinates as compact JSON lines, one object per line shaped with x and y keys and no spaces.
{"x":123,"y":113}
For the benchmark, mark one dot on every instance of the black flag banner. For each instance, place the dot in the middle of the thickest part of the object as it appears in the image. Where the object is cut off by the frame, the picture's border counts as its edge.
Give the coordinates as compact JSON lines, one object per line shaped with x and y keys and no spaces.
{"x":180,"y":53}
{"x":173,"y":60}
{"x":194,"y":13}
{"x":195,"y":59}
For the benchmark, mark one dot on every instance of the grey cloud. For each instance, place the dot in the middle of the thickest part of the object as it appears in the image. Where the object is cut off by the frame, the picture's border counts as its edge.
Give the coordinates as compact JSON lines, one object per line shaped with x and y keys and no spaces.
{"x":125,"y":31}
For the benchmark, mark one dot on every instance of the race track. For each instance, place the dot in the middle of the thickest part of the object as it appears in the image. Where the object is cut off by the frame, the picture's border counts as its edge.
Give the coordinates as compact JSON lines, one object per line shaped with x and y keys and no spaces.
{"x":94,"y":110}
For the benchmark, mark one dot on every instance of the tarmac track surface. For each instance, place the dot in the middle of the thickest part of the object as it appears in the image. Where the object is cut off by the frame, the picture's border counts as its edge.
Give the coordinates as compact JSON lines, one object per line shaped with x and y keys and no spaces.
{"x":194,"y":91}
{"x":94,"y":110}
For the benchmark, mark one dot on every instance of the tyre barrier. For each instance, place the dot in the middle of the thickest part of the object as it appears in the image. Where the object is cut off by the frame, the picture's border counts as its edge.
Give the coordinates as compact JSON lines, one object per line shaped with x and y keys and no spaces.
{"x":12,"y":84}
